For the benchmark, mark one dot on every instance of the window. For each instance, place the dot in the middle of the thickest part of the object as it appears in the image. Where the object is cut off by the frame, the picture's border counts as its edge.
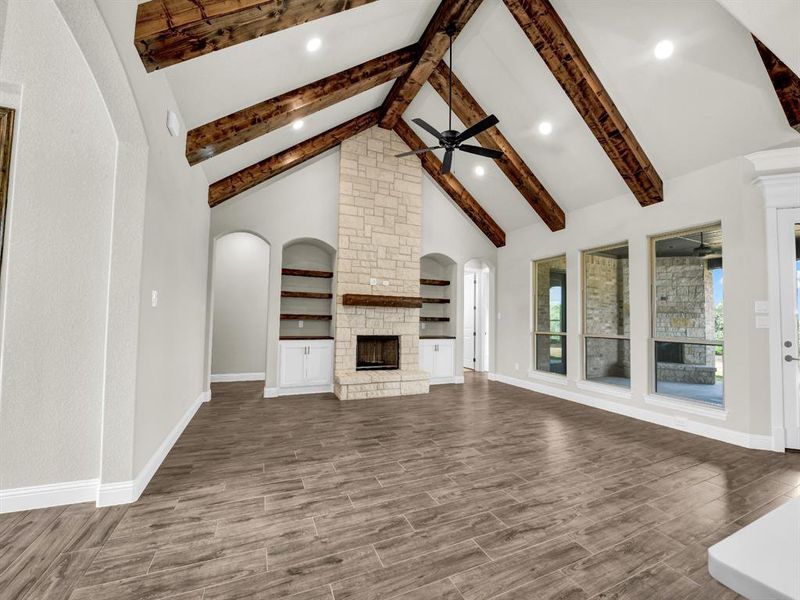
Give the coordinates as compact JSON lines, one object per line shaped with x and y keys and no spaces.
{"x":550,"y":315}
{"x":606,"y":317}
{"x":688,"y":325}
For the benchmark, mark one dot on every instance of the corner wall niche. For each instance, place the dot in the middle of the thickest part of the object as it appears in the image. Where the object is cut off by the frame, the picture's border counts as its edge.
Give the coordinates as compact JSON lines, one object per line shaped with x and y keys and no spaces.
{"x":306,"y":290}
{"x":437,"y":277}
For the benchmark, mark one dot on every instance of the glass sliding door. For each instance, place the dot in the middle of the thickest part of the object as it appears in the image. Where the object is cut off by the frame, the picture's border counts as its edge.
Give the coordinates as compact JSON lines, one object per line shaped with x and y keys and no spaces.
{"x":688,"y":318}
{"x":606,"y":316}
{"x":550,"y":315}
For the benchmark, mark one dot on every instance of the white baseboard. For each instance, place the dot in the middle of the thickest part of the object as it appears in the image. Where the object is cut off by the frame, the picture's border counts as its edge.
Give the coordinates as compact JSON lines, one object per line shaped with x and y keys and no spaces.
{"x":222,"y":377}
{"x":738,"y":438}
{"x":274,"y":392}
{"x":443,"y":380}
{"x":42,"y":496}
{"x":124,"y":492}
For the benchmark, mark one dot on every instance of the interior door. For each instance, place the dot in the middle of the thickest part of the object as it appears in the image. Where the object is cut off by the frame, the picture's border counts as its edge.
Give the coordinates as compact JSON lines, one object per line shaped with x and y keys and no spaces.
{"x":470,"y":321}
{"x":789,"y":233}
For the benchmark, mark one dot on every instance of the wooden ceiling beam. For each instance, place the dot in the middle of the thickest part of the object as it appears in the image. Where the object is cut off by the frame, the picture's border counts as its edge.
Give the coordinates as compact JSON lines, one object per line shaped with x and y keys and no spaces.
{"x":519,"y":174}
{"x":432,"y":46}
{"x":232,"y":185}
{"x":548,"y":34}
{"x":786,"y":84}
{"x":249,"y":123}
{"x":452,"y":187}
{"x":172,"y":31}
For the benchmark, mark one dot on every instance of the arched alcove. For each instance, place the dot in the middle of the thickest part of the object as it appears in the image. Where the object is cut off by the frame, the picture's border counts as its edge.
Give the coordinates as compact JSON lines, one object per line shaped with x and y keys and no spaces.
{"x":307,"y":289}
{"x":439,"y":300}
{"x":240,"y":302}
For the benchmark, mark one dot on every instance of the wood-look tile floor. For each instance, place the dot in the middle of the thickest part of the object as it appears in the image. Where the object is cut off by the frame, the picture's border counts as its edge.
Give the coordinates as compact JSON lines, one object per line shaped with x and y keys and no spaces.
{"x":472,"y":492}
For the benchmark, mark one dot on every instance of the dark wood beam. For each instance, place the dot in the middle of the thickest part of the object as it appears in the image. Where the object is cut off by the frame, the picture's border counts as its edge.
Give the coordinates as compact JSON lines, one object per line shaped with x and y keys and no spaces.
{"x":432,"y":46}
{"x":521,"y":177}
{"x":786,"y":84}
{"x":249,"y":123}
{"x":172,"y":31}
{"x":548,"y":34}
{"x":251,"y":176}
{"x":6,"y":135}
{"x":452,"y":187}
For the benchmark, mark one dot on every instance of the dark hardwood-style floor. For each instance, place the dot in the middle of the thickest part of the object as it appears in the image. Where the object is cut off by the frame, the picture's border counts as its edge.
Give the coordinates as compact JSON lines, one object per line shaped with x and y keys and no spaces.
{"x":472,"y":492}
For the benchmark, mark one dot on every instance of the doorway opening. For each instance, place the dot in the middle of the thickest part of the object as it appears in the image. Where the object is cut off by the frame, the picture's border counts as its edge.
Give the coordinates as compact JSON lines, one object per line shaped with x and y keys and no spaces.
{"x":477,"y":289}
{"x":240,"y":299}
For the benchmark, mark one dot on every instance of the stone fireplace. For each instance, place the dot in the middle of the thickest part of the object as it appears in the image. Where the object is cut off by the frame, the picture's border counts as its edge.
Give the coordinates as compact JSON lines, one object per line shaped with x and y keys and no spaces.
{"x":380,"y":232}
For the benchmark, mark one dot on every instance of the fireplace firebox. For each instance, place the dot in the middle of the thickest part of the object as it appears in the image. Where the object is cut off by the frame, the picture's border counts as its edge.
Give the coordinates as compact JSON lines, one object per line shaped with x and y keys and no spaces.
{"x":377,"y":352}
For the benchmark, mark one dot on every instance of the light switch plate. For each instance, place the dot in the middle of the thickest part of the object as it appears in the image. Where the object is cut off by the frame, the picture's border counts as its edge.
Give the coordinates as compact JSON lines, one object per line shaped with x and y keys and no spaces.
{"x":373,"y":281}
{"x":154,"y":298}
{"x":762,"y":322}
{"x":762,"y":307}
{"x":300,"y":324}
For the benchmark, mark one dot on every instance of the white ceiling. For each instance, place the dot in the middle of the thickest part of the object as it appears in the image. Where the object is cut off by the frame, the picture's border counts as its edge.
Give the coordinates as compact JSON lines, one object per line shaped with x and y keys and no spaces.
{"x":710,"y":101}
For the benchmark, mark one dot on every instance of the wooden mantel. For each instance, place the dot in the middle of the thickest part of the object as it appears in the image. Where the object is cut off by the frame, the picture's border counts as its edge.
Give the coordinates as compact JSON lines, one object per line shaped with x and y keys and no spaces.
{"x":384,"y":301}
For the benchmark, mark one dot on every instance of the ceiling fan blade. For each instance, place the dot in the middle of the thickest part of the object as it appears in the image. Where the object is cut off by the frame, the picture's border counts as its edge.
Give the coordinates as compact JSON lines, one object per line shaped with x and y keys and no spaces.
{"x":480,"y":126}
{"x":429,"y":128}
{"x":420,"y":151}
{"x":448,"y":160}
{"x":487,"y":152}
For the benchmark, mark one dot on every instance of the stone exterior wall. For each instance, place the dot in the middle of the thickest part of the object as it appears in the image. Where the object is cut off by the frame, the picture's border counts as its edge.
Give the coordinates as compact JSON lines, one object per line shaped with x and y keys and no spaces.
{"x":685,"y":308}
{"x":380,"y":234}
{"x":606,"y":285}
{"x":542,"y":316}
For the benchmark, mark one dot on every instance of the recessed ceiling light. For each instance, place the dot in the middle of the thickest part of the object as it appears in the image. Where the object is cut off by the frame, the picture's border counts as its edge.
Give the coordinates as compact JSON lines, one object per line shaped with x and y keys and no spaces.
{"x":545,"y":128}
{"x":298,"y":124}
{"x":313,"y":44}
{"x":663,"y":49}
{"x":480,"y":171}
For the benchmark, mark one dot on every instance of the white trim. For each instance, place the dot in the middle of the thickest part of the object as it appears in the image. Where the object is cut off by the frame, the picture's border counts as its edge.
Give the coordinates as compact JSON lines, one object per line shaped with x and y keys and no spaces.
{"x":548,"y":377}
{"x":124,"y":492}
{"x":738,"y":438}
{"x":221,"y":377}
{"x":274,"y":392}
{"x":445,"y":380}
{"x":43,"y":496}
{"x":779,"y":191}
{"x":692,"y":408}
{"x":604,"y":388}
{"x":776,"y":160}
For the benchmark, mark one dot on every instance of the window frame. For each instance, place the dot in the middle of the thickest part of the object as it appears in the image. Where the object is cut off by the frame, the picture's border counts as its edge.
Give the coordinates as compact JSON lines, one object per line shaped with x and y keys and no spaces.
{"x":535,"y":321}
{"x":654,"y":339}
{"x":585,"y":335}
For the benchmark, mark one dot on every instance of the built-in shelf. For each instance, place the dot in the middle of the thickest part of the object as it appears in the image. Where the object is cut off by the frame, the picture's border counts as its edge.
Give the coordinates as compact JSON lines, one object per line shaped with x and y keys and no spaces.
{"x":292,"y":317}
{"x":320,"y":295}
{"x":385,"y":301}
{"x":434,"y":320}
{"x":438,"y":282}
{"x":306,"y":337}
{"x":306,"y":273}
{"x":436,"y":300}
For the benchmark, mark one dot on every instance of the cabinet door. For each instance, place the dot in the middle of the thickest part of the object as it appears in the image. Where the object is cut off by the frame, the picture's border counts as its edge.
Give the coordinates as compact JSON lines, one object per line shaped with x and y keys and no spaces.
{"x":443,"y":366}
{"x":427,"y":356}
{"x":292,"y":365}
{"x":319,"y":363}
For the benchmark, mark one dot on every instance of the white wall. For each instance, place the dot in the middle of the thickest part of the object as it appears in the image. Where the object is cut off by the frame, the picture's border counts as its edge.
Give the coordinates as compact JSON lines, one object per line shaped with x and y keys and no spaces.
{"x":170,"y":372}
{"x":56,"y":258}
{"x":304,"y":204}
{"x":720,"y":193}
{"x":241,"y":277}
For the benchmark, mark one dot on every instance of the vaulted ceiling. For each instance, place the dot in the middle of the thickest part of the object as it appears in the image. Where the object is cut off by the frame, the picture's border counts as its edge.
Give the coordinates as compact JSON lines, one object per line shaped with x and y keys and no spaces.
{"x":710,"y":101}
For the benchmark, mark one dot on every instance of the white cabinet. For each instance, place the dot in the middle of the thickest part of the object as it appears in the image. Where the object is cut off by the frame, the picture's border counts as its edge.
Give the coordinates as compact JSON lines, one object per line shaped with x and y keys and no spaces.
{"x":437,"y":357}
{"x":305,"y":366}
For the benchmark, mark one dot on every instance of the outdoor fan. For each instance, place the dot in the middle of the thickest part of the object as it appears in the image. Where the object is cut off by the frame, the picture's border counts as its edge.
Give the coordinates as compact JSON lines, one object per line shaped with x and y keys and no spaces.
{"x":704,"y":250}
{"x":450,"y":139}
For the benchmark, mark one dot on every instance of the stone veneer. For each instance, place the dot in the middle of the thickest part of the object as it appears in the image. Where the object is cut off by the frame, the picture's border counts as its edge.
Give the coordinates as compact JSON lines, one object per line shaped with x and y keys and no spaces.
{"x":380,"y":233}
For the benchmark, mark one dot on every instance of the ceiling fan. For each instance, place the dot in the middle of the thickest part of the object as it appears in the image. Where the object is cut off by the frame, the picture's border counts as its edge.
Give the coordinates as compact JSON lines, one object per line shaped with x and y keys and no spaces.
{"x":704,"y":250}
{"x":450,"y":139}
